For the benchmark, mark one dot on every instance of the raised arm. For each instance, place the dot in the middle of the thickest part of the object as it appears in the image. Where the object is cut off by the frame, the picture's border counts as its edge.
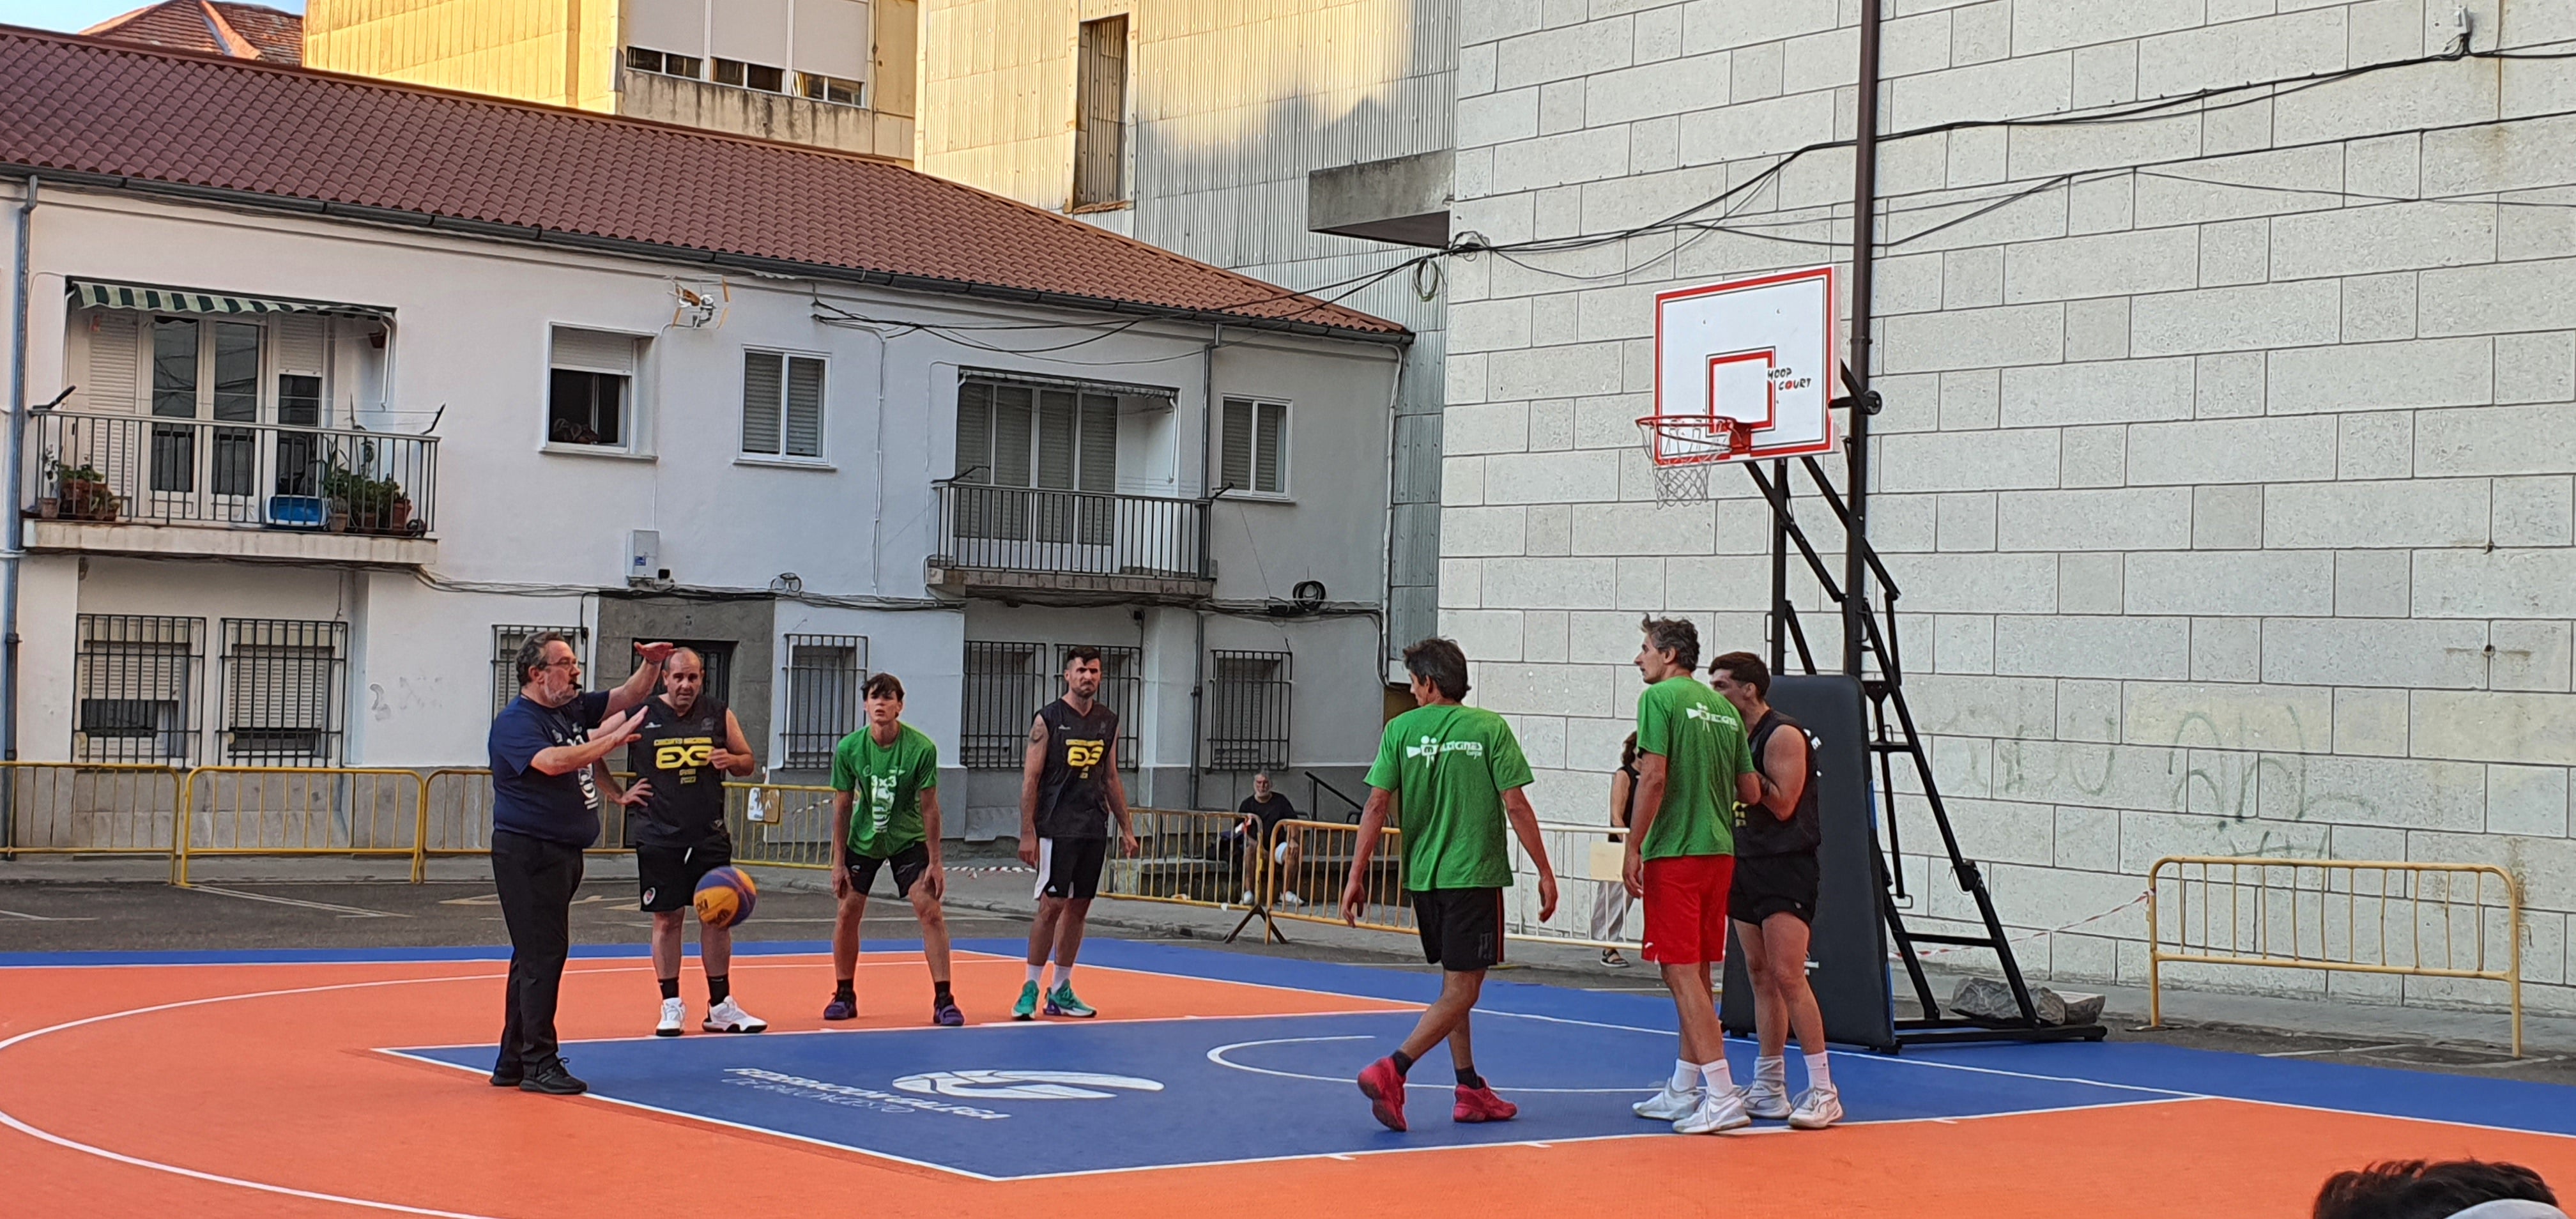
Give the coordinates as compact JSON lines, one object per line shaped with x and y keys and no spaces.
{"x":640,"y":686}
{"x":612,"y":733}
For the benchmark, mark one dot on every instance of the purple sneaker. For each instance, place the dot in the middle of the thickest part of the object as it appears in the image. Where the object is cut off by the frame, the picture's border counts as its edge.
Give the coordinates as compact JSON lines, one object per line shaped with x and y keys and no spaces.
{"x":946,"y":1015}
{"x":841,"y":1009}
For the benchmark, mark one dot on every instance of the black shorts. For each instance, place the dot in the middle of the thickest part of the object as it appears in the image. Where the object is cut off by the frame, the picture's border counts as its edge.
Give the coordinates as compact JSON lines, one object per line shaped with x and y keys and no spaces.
{"x":1462,"y":929}
{"x":1766,"y":885}
{"x":909,"y":863}
{"x":669,"y":876}
{"x":1070,"y":867}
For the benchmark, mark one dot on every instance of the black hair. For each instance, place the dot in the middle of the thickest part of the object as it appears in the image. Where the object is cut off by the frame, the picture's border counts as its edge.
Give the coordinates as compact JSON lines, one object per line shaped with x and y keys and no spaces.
{"x":884,"y":685}
{"x":1081,"y":651}
{"x":1440,"y":662}
{"x":1679,"y":636}
{"x":532,"y":653}
{"x":2426,"y":1189}
{"x":1628,"y":752}
{"x":1747,"y":668}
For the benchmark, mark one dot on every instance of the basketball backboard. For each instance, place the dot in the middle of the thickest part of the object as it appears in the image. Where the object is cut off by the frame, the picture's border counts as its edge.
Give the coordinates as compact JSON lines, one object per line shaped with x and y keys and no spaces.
{"x":1743,"y":370}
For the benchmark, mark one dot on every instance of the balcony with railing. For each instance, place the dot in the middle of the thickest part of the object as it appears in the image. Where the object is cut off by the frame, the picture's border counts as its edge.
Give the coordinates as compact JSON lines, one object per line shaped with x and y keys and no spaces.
{"x":144,"y":484}
{"x":1070,"y":546}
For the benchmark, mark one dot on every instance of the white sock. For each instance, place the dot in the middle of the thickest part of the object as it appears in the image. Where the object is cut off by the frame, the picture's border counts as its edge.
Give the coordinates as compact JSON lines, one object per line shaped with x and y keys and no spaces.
{"x":1063,"y":976}
{"x":1685,"y":1075}
{"x":1773,"y":1071}
{"x":1034,"y":971}
{"x":1715,"y":1076}
{"x":1818,"y":1075}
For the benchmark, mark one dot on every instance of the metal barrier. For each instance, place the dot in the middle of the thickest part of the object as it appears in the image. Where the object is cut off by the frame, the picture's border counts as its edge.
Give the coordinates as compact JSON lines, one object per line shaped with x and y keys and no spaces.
{"x":277,"y":810}
{"x":1322,"y":866}
{"x":1586,"y":876}
{"x":2430,"y":920}
{"x":89,"y":808}
{"x":792,"y":828}
{"x":1187,"y":858}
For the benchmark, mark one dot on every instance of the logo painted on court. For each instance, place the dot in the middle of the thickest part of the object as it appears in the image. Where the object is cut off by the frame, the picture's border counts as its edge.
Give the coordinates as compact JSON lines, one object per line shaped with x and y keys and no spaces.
{"x":1024,"y":1085}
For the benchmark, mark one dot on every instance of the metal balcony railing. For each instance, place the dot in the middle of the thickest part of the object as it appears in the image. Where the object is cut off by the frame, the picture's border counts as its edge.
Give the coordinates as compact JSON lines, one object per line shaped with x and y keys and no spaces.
{"x":1079,"y":532}
{"x":157,"y":470}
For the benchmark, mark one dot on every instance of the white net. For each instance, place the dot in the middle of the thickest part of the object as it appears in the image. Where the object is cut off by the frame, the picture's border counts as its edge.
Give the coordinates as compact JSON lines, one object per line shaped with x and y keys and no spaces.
{"x":1684,"y":448}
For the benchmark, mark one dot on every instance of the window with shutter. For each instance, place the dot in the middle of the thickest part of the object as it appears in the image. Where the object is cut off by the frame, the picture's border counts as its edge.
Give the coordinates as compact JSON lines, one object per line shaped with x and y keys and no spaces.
{"x":136,"y":680}
{"x":1097,"y":469}
{"x":824,"y":676}
{"x":975,"y":432}
{"x":1268,"y":438}
{"x":1235,"y":466}
{"x":804,"y":407}
{"x":1100,"y":114}
{"x":115,"y":357}
{"x":590,"y":389}
{"x":760,"y":391}
{"x":1255,"y":446}
{"x":282,"y":699}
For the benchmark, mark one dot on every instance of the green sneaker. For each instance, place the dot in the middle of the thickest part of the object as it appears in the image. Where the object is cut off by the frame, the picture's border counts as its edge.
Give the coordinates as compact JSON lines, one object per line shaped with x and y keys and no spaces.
{"x":1028,"y":1004}
{"x":1062,"y":1003}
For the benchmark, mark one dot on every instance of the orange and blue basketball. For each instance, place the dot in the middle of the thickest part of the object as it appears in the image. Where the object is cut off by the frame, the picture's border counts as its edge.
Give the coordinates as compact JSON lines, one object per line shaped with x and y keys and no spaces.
{"x":725,"y":897}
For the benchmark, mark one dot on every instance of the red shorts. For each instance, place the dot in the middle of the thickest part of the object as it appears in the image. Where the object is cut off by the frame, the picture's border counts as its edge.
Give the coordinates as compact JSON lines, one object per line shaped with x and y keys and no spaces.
{"x":1686,"y":908}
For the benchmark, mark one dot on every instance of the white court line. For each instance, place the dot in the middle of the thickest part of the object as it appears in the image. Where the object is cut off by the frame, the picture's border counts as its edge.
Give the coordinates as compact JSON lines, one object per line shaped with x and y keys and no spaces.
{"x":1218,"y":1057}
{"x":344,"y":911}
{"x":49,"y":918}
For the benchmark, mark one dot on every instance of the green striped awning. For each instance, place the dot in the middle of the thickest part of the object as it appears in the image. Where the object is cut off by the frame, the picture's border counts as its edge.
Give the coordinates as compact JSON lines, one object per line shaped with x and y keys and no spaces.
{"x":101,"y":294}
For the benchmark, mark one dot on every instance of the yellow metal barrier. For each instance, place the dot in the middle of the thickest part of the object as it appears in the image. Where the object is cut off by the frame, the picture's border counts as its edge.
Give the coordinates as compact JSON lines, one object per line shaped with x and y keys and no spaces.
{"x":1322,"y":866}
{"x":279,"y":810}
{"x":456,"y":815}
{"x":89,"y":808}
{"x":793,"y":828}
{"x":1186,"y":857}
{"x":2427,"y":920}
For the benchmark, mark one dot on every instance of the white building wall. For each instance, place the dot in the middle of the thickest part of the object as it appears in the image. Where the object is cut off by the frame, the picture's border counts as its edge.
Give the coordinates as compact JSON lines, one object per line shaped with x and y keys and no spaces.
{"x":2226,"y":473}
{"x":529,"y":532}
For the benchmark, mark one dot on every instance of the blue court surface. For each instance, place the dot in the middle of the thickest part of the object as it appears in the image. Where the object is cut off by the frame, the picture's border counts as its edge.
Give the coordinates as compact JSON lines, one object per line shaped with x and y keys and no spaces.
{"x":1004,"y":1101}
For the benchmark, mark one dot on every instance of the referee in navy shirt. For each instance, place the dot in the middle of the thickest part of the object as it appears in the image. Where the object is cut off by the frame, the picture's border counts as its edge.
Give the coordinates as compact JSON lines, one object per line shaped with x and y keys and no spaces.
{"x":545,"y":810}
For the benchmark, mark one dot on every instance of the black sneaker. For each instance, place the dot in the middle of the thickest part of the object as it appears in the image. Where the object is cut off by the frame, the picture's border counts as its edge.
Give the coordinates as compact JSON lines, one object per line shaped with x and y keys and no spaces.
{"x":553,"y":1080}
{"x":507,"y":1077}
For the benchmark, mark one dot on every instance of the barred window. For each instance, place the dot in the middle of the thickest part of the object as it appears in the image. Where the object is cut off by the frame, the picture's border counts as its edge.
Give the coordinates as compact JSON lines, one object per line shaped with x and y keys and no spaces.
{"x":1004,"y":689}
{"x":825,"y":674}
{"x":1122,"y":685}
{"x":136,"y":676}
{"x":506,"y":642}
{"x":1248,"y":710}
{"x":284,"y":697}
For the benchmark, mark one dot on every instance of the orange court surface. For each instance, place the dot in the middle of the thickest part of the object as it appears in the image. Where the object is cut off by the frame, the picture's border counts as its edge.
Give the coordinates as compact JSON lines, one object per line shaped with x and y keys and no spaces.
{"x":331,"y":1083}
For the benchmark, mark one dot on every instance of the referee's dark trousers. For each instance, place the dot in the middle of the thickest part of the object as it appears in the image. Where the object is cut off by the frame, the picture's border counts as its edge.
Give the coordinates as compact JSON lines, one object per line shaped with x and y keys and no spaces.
{"x":536,"y":879}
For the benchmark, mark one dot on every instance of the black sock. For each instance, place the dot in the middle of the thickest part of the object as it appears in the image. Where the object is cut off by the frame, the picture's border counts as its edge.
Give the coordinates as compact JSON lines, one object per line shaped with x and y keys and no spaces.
{"x":939,"y":993}
{"x":1467,"y":1078}
{"x":846,"y":991}
{"x":1403,"y":1061}
{"x":719,"y":987}
{"x":670,"y":988}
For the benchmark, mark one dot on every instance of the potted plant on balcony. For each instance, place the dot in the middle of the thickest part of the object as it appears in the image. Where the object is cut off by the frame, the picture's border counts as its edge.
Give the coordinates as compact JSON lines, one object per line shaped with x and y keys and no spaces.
{"x":80,"y":491}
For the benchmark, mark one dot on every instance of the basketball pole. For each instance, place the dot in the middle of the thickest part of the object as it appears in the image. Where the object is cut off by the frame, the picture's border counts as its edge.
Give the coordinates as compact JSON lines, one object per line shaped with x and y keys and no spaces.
{"x":1856,"y":373}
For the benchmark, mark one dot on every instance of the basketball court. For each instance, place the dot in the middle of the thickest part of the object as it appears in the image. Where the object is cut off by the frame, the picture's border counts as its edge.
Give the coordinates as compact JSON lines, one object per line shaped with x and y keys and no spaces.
{"x":339,"y":1083}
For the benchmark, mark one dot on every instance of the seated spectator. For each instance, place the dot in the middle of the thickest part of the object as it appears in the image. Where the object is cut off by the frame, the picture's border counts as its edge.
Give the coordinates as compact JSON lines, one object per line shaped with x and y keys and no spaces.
{"x":2444,"y":1189}
{"x":1262,"y":812}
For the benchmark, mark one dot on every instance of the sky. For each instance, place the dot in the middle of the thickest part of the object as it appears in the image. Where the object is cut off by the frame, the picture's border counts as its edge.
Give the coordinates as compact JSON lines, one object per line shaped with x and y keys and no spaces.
{"x":82,"y":14}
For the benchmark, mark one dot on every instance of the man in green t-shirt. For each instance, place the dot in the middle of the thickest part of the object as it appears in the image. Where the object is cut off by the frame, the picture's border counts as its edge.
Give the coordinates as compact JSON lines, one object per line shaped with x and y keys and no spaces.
{"x":1692,"y":768}
{"x":896,"y":767}
{"x":1449,"y":776}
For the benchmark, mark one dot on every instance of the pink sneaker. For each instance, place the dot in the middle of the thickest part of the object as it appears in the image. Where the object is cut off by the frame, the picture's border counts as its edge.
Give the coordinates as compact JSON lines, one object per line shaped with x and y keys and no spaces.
{"x":1384,"y":1086}
{"x":1481,"y":1105}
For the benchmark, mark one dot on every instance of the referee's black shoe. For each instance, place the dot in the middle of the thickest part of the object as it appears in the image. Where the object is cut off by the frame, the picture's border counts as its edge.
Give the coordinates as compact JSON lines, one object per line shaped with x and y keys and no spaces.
{"x":507,"y":1077}
{"x":553,"y":1080}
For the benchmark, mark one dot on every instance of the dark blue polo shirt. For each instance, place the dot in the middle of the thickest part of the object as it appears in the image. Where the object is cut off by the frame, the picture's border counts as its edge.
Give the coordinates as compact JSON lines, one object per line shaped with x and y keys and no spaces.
{"x":557,"y":808}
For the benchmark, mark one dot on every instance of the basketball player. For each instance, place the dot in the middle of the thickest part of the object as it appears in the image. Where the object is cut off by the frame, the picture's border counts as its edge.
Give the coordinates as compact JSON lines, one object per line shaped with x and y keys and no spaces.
{"x":1069,"y":794}
{"x":897,"y":765}
{"x":1681,"y":856}
{"x":1774,"y":899}
{"x":1450,"y":776}
{"x":685,"y":745}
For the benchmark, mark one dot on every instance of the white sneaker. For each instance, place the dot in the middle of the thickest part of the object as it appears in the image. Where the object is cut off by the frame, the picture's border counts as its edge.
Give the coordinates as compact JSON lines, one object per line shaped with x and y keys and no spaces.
{"x":674,"y":1014}
{"x":728,"y":1017}
{"x":1767,"y":1100}
{"x":1667,"y":1104}
{"x":1247,"y":897}
{"x":1717,"y":1111}
{"x":1817,"y":1109}
{"x":1291,"y":899}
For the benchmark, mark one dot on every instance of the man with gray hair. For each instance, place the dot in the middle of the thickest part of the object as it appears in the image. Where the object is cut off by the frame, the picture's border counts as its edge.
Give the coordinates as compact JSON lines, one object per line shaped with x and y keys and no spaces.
{"x":545,"y":810}
{"x":1262,"y":812}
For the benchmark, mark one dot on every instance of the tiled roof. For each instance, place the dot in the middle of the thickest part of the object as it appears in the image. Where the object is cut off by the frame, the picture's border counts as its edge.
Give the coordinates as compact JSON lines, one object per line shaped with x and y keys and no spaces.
{"x":76,"y":106}
{"x":211,"y":27}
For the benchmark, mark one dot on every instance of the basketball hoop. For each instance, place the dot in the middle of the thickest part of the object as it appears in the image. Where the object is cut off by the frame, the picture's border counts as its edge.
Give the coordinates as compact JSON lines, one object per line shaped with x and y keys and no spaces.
{"x":1682,"y":448}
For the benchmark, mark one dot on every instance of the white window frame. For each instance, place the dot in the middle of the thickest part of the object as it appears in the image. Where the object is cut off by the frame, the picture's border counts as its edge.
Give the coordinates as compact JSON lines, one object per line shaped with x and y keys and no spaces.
{"x":822,"y":418}
{"x":636,"y":425}
{"x":1285,"y":492}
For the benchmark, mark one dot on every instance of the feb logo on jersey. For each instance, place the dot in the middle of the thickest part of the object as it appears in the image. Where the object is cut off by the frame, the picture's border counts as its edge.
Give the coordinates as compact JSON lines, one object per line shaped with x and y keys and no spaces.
{"x":1083,"y":755}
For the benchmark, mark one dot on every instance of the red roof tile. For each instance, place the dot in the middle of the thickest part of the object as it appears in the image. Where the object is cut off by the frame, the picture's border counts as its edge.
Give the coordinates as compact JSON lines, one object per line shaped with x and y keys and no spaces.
{"x":211,"y":27}
{"x":81,"y":106}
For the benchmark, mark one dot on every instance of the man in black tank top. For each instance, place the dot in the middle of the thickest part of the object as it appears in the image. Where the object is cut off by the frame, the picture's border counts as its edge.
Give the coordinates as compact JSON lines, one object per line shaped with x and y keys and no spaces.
{"x":1069,"y":795}
{"x":685,"y":745}
{"x":1774,"y":900}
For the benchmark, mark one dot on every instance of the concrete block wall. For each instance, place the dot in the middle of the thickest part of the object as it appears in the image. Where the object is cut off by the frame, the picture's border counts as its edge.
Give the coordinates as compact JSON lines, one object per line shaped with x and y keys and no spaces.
{"x":2227,"y":458}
